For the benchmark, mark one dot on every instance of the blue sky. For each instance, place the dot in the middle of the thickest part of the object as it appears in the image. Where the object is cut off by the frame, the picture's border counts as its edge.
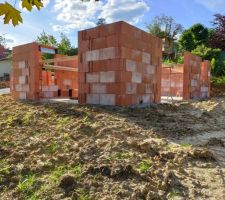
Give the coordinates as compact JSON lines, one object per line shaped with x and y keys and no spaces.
{"x":69,"y":16}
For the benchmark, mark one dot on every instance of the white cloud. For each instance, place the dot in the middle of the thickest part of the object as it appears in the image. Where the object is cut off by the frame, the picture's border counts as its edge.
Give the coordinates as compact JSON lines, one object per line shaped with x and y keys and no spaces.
{"x":128,"y":10}
{"x":75,"y":14}
{"x":213,"y":5}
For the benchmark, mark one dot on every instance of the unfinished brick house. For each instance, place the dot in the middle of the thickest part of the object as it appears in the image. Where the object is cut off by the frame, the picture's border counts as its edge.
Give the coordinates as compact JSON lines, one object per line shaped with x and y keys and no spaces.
{"x":190,"y":80}
{"x":33,"y":78}
{"x":118,"y":64}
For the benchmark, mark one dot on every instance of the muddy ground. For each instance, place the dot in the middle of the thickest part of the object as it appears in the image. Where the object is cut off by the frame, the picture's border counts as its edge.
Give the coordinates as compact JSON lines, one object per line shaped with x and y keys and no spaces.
{"x":63,"y":151}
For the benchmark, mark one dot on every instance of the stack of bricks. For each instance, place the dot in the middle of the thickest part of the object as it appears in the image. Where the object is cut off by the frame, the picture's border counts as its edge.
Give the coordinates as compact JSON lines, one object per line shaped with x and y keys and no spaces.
{"x":192,"y":76}
{"x":172,"y":80}
{"x":205,"y":79}
{"x":119,"y":65}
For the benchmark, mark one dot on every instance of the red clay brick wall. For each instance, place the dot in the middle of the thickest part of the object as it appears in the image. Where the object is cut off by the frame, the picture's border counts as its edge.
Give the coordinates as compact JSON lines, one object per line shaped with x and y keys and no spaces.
{"x":67,"y":80}
{"x":26,"y":72}
{"x":205,"y":79}
{"x":192,"y":75}
{"x":172,"y":80}
{"x":119,"y":65}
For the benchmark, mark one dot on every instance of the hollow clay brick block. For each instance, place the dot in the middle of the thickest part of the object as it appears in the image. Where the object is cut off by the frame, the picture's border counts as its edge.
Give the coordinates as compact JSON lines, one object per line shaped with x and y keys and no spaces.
{"x":25,"y":88}
{"x":108,"y":53}
{"x":92,"y":77}
{"x":91,"y":56}
{"x":53,"y":88}
{"x":131,"y":65}
{"x":136,"y":77}
{"x":204,"y":89}
{"x":107,"y":77}
{"x":146,"y":58}
{"x":91,"y":33}
{"x":123,"y":76}
{"x":136,"y":55}
{"x":108,"y":99}
{"x":99,"y":43}
{"x":45,"y":88}
{"x":146,"y":99}
{"x":22,"y":95}
{"x":67,"y":82}
{"x":141,"y":89}
{"x":124,"y":100}
{"x":93,"y":99}
{"x":84,"y":88}
{"x":131,"y":88}
{"x":18,"y":88}
{"x":22,"y":64}
{"x":113,"y":40}
{"x":149,"y":69}
{"x":149,"y":89}
{"x":22,"y":79}
{"x":25,"y":72}
{"x":98,"y":88}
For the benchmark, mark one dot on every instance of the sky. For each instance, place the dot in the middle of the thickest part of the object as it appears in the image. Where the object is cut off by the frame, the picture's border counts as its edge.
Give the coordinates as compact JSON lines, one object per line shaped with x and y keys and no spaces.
{"x":70,"y":16}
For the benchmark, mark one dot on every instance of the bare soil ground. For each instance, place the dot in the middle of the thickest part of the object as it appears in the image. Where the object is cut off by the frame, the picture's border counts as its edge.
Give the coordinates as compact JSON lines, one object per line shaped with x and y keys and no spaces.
{"x":4,"y":84}
{"x":62,"y":151}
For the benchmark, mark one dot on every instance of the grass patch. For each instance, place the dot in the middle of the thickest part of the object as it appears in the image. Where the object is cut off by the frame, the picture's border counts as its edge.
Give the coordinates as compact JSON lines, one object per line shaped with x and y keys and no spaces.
{"x":144,"y":166}
{"x":61,"y":170}
{"x":174,"y":193}
{"x":28,"y":184}
{"x":82,"y":194}
{"x":185,"y":145}
{"x":218,"y":80}
{"x":53,"y":147}
{"x":28,"y":118}
{"x":4,"y":169}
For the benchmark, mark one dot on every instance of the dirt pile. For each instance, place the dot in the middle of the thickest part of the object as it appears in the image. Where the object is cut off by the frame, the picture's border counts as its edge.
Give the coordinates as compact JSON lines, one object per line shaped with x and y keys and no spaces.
{"x":61,"y":151}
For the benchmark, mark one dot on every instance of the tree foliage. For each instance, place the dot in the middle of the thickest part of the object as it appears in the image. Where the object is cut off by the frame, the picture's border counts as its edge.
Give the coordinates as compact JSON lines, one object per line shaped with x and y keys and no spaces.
{"x":64,"y":45}
{"x":217,"y":36}
{"x":12,"y":14}
{"x":165,"y":27}
{"x":47,"y":39}
{"x":2,"y":40}
{"x":206,"y":53}
{"x":193,"y":37}
{"x":101,"y":21}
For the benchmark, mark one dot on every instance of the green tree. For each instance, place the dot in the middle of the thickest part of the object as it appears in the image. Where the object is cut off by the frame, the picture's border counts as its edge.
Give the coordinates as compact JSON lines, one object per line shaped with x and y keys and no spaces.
{"x":2,"y":40}
{"x":64,"y":45}
{"x":186,"y":41}
{"x":101,"y":21}
{"x":47,"y":39}
{"x":206,"y":53}
{"x":193,"y":37}
{"x":165,"y":27}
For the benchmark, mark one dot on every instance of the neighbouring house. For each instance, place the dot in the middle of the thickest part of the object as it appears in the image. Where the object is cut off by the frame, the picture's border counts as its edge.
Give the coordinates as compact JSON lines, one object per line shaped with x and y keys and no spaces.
{"x":168,"y":48}
{"x":5,"y":68}
{"x":5,"y":63}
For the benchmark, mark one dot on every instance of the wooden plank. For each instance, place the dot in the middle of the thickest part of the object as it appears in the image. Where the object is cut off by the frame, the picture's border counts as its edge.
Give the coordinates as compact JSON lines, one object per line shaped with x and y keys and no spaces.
{"x":60,"y":59}
{"x":60,"y":68}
